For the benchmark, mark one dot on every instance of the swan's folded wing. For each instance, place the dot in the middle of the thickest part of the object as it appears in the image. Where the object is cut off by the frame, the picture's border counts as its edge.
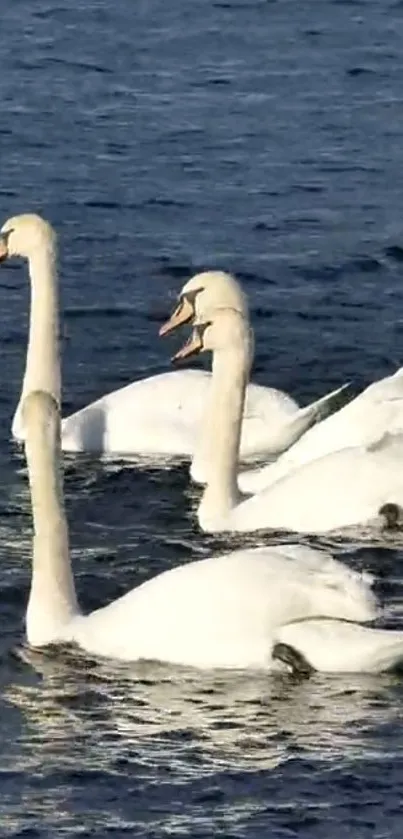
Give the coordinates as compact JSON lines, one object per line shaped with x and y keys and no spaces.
{"x":362,"y":422}
{"x":333,"y":646}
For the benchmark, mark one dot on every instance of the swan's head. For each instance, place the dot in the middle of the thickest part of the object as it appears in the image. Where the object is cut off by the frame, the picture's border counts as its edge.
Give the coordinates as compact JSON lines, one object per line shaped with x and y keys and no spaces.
{"x":203,"y":293}
{"x":225,"y":330}
{"x":41,"y":417}
{"x":25,"y":236}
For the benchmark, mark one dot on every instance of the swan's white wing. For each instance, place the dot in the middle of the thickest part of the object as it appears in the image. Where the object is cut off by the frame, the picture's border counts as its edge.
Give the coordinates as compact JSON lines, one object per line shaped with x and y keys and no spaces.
{"x":221,"y":611}
{"x":333,"y":646}
{"x":360,"y":423}
{"x":162,"y":415}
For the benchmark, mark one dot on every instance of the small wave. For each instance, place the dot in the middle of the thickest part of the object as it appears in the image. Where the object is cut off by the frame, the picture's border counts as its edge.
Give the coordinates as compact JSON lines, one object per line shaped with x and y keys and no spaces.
{"x":394,"y":252}
{"x":165,"y":202}
{"x":76,"y":313}
{"x":79,"y":65}
{"x":359,"y":71}
{"x":355,"y":265}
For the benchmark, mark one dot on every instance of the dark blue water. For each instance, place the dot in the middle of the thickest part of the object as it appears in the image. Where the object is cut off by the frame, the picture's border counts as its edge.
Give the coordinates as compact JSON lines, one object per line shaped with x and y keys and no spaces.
{"x":162,"y":137}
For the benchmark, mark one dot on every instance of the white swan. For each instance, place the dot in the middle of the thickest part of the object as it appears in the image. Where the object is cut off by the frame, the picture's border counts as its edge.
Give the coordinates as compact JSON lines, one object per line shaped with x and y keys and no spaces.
{"x":272,"y":420}
{"x":344,"y":488}
{"x":231,"y":611}
{"x":159,"y":415}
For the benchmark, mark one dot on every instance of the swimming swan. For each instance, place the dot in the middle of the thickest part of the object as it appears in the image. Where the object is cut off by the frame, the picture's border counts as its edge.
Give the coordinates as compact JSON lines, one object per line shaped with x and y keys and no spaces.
{"x":159,"y":415}
{"x":216,"y":612}
{"x":272,"y":420}
{"x":347,"y":487}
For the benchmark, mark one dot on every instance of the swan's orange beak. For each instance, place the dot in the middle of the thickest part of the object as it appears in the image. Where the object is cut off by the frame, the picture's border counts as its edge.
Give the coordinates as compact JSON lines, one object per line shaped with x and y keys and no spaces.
{"x":3,"y":247}
{"x":183,"y":313}
{"x":193,"y":345}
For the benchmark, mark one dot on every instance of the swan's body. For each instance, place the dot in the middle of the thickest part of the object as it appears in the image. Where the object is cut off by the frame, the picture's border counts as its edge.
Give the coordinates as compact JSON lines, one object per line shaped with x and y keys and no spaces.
{"x":160,"y":415}
{"x":377,"y":411}
{"x":163,"y":415}
{"x":341,"y":489}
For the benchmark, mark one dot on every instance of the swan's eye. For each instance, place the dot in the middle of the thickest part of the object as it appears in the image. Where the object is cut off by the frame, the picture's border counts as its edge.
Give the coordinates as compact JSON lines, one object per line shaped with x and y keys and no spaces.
{"x":200,"y":329}
{"x":190,"y":296}
{"x":4,"y":237}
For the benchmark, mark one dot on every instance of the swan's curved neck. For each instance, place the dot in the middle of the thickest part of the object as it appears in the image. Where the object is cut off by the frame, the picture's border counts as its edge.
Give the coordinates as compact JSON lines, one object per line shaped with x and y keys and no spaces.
{"x":52,"y":600}
{"x":228,"y":387}
{"x":42,"y":369}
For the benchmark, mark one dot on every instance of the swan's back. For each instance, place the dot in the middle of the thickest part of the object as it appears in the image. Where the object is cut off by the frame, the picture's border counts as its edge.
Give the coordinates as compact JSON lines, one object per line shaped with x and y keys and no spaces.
{"x":377,"y":409}
{"x":221,"y":611}
{"x":344,"y":488}
{"x":126,"y":420}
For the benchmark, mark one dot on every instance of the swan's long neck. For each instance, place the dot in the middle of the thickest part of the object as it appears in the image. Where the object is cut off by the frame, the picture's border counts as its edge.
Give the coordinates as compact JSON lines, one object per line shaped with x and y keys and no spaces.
{"x":205,"y":449}
{"x":228,"y":388}
{"x":42,"y":370}
{"x":52,"y":600}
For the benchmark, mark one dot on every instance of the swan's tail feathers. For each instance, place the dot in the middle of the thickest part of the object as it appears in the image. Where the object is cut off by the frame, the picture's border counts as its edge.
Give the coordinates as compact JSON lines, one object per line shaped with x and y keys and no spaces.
{"x":293,"y":659}
{"x":305,"y":418}
{"x":392,"y":516}
{"x":336,"y":646}
{"x":328,"y":404}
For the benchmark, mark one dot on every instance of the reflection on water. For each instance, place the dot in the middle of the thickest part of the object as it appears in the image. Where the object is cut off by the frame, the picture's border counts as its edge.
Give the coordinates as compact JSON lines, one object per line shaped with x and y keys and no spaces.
{"x":242,"y":719}
{"x":79,"y":726}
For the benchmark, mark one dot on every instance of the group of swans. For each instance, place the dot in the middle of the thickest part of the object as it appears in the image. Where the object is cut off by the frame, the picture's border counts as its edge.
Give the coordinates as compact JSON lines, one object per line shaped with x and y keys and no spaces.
{"x":159,"y":415}
{"x":255,"y":608}
{"x":344,"y":471}
{"x":364,"y":421}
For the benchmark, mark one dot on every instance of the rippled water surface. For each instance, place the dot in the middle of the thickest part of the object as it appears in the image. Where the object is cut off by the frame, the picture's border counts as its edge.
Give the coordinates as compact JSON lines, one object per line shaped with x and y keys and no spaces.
{"x":161,"y":138}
